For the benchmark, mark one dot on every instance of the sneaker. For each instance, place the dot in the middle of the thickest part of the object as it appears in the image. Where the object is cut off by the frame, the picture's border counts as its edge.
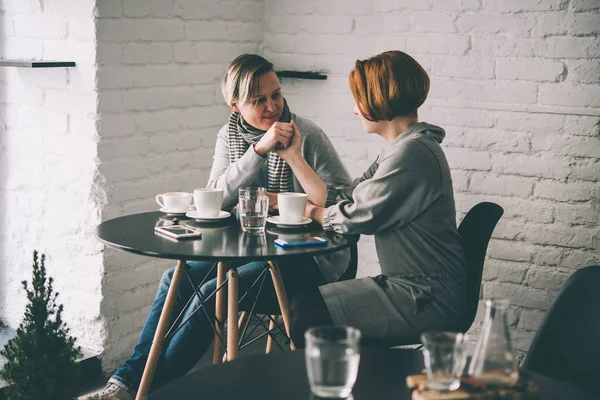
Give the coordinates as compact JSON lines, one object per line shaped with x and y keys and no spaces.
{"x":110,"y":392}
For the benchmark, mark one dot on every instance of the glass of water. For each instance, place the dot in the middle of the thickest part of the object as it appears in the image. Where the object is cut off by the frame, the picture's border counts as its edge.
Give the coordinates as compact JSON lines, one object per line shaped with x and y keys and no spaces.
{"x":253,"y":209}
{"x":332,"y":358}
{"x":444,"y":354}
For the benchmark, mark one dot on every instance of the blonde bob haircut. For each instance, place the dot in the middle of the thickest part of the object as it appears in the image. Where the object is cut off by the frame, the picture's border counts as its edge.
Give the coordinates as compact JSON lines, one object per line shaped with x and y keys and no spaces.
{"x":241,"y":79}
{"x":388,"y":85}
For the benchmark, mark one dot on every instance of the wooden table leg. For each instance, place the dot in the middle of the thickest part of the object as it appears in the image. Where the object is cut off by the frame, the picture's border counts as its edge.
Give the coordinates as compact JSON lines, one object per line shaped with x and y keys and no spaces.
{"x":159,"y":335}
{"x":282,"y":298}
{"x":241,"y":322}
{"x":233,"y":333}
{"x":243,"y":317}
{"x":221,"y":305}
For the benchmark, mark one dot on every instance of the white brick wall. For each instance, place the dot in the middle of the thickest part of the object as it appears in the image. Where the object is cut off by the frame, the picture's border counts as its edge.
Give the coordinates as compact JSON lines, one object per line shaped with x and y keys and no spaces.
{"x":48,"y":195}
{"x":516,"y":85}
{"x":159,"y":69}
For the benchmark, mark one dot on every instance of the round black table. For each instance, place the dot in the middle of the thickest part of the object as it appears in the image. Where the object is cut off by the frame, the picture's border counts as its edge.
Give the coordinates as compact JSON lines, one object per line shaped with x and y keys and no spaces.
{"x":382,"y":375}
{"x":222,"y":241}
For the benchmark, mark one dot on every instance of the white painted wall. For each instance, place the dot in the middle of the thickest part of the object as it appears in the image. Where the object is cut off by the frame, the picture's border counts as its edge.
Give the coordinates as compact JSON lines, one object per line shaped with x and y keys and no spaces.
{"x":160,"y":63}
{"x":136,"y":117}
{"x":49,"y":199}
{"x":516,"y":86}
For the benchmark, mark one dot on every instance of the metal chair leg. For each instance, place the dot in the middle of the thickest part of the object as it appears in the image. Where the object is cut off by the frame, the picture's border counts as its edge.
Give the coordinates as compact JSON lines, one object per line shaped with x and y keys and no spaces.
{"x":220,"y":312}
{"x":270,"y":338}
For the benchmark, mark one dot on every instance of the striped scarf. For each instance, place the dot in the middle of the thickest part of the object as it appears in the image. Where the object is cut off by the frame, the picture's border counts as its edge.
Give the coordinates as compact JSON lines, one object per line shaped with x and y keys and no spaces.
{"x":242,"y":135}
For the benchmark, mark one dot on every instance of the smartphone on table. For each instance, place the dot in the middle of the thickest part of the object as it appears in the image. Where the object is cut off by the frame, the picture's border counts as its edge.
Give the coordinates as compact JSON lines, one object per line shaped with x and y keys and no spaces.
{"x":178,"y":232}
{"x":305,"y":241}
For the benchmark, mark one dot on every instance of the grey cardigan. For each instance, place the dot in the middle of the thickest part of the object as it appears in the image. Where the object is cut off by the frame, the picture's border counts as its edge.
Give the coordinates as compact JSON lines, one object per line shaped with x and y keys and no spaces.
{"x":249,"y":171}
{"x":406,"y":200}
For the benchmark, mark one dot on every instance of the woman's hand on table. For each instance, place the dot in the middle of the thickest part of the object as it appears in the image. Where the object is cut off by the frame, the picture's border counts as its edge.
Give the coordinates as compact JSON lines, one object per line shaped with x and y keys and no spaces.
{"x":273,"y":205}
{"x":293,"y":148}
{"x":278,"y":135}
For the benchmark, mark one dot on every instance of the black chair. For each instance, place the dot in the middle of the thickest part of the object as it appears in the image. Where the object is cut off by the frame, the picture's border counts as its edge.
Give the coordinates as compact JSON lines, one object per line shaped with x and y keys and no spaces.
{"x":350,"y":273}
{"x":566,"y":346}
{"x":476,"y":230}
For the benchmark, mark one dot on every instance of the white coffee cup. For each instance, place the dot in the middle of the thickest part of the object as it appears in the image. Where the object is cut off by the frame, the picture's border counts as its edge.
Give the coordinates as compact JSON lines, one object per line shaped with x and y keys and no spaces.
{"x":291,"y":206}
{"x":208,"y":202}
{"x":175,"y":201}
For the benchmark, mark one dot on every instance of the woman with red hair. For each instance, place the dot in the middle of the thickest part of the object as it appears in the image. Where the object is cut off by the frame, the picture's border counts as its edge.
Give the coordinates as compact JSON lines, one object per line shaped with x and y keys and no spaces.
{"x":405,"y":199}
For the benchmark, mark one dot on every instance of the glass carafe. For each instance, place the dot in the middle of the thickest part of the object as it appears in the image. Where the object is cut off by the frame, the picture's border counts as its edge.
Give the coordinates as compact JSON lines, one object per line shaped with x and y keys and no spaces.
{"x":494,"y":360}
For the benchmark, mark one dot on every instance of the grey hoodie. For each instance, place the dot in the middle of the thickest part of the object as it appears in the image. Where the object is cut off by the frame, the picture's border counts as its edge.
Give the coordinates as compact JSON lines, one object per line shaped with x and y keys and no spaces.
{"x":406,"y":200}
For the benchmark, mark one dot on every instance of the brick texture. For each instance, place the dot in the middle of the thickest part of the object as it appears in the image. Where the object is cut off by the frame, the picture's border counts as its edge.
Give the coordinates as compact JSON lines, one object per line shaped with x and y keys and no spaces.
{"x":163,"y":61}
{"x":515,"y":83}
{"x":47,"y":162}
{"x":137,"y":116}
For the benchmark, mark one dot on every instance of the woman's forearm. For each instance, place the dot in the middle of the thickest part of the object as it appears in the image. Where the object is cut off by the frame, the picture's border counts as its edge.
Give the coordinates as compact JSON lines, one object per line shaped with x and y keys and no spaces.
{"x":312,"y":184}
{"x":231,"y":176}
{"x":317,"y":213}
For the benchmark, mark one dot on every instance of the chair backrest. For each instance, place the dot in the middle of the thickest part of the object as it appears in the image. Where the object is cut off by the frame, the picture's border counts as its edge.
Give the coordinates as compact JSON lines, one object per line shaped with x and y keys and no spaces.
{"x":350,"y":273}
{"x":476,"y":230}
{"x":567,"y":343}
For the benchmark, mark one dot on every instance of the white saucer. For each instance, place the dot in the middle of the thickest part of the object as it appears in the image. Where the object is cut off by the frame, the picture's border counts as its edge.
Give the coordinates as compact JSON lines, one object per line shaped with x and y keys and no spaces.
{"x":277,"y":221}
{"x":194,"y":214}
{"x":174,"y":212}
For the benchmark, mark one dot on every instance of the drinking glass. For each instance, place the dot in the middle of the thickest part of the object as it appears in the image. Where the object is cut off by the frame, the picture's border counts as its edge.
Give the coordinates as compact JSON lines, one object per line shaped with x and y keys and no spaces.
{"x":444,"y":354}
{"x":253,"y":209}
{"x":332,"y":358}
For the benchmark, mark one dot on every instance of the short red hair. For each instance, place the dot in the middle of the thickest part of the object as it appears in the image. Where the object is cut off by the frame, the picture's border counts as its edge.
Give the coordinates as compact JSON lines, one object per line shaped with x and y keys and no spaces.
{"x":388,"y":85}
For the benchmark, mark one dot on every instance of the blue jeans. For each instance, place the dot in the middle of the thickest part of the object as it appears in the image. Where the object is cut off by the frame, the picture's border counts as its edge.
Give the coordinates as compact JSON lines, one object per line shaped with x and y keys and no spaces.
{"x":185,"y":348}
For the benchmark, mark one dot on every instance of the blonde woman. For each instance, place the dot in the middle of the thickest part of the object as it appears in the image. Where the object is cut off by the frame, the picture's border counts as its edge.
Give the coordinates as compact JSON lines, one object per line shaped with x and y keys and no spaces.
{"x":261,"y":122}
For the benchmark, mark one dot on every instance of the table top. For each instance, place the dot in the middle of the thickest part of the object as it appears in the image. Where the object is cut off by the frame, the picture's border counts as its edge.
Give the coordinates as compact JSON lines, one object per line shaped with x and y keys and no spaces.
{"x":382,"y":375}
{"x":221,"y":241}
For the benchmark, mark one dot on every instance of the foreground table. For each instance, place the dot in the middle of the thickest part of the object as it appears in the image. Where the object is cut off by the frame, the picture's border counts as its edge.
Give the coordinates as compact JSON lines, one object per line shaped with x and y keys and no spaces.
{"x":221,"y":242}
{"x":382,"y":375}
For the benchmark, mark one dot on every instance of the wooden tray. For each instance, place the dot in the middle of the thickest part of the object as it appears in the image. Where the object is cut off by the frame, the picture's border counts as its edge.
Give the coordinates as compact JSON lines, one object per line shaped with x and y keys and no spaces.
{"x":471,"y":389}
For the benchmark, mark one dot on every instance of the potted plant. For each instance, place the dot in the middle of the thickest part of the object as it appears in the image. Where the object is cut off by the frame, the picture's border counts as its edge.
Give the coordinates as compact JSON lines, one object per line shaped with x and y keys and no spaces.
{"x":41,"y":358}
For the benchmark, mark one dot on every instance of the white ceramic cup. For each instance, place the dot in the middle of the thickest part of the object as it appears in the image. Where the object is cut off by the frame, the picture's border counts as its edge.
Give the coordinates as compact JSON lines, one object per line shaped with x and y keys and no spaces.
{"x":175,"y":201}
{"x":291,"y":206}
{"x":208,"y":202}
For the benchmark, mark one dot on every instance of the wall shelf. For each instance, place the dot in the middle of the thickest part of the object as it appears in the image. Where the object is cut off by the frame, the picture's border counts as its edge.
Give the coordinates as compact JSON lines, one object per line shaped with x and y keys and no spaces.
{"x":301,"y":75}
{"x":36,"y":64}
